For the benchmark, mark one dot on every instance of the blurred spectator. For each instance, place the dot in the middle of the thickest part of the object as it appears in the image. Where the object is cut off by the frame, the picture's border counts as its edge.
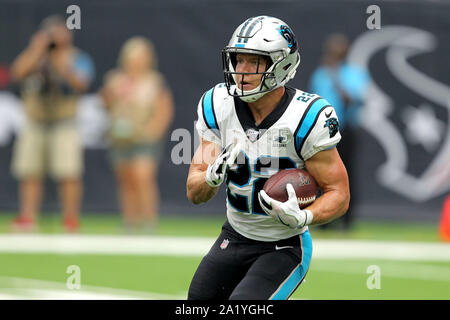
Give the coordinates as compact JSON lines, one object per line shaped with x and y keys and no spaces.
{"x":11,"y":113}
{"x":52,"y":73}
{"x":141,"y":109}
{"x":344,"y":86}
{"x":4,"y":76}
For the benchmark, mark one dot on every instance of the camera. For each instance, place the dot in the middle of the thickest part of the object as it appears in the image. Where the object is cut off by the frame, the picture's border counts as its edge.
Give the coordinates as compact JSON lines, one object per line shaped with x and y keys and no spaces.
{"x":51,"y":45}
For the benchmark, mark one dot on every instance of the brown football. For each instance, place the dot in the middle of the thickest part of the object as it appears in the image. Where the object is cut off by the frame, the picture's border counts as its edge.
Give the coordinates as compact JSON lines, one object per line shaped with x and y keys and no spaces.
{"x":304,"y":185}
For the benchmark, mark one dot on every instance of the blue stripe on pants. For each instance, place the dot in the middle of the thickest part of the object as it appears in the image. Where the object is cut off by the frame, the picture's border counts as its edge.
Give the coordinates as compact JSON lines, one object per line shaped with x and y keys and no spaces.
{"x":299,"y":272}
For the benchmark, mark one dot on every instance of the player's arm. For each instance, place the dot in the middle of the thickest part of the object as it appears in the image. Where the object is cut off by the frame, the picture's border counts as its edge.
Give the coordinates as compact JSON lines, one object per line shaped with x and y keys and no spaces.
{"x":208,"y":169}
{"x":328,"y":170}
{"x":197,"y":190}
{"x":323,"y":162}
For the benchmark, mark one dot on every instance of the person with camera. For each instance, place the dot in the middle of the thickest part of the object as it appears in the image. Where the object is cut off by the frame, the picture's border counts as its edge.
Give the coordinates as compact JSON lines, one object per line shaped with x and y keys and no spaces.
{"x":140,"y":108}
{"x":52,"y":73}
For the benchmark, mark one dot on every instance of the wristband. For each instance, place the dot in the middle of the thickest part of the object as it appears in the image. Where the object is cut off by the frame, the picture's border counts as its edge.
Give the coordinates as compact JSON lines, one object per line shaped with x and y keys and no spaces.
{"x":309,"y":217}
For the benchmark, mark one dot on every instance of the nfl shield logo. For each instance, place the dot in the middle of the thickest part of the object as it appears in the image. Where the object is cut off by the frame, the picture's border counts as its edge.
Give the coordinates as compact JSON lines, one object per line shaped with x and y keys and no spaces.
{"x":252,"y":134}
{"x":224,"y":244}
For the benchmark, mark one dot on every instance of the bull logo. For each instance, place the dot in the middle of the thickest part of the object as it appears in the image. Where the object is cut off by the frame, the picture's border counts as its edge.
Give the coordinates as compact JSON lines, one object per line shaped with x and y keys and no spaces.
{"x":418,"y":133}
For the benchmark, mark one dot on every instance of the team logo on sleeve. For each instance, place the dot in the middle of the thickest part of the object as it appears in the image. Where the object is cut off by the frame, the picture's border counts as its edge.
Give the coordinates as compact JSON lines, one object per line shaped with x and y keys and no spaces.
{"x":333,"y":126}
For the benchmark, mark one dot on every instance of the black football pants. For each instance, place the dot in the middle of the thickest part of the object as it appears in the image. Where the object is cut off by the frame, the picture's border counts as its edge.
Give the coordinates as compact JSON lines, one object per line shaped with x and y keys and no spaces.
{"x":243,"y":269}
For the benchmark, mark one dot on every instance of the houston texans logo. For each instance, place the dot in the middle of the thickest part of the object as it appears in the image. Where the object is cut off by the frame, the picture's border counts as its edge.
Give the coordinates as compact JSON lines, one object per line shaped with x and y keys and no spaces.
{"x":423,"y":128}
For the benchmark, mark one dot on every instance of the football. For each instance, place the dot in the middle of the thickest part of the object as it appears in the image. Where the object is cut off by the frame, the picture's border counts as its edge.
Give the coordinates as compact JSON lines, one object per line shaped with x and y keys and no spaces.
{"x":305,"y":186}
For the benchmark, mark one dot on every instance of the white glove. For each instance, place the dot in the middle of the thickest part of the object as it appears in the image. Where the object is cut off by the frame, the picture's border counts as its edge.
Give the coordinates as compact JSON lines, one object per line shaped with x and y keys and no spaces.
{"x":216,"y":172}
{"x":288,"y":213}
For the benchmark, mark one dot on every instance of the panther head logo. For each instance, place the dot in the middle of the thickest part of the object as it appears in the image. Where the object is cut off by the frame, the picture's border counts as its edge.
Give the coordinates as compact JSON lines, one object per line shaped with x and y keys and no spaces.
{"x":333,"y":126}
{"x":289,"y":35}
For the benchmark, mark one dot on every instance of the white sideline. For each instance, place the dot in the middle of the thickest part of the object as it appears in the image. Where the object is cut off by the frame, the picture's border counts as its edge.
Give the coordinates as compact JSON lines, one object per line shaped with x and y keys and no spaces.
{"x":12,"y":288}
{"x":196,"y":246}
{"x":392,"y":269}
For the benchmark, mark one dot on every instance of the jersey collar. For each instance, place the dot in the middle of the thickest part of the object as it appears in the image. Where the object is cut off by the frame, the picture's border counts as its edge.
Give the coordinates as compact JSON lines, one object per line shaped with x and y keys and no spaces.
{"x":247,"y":120}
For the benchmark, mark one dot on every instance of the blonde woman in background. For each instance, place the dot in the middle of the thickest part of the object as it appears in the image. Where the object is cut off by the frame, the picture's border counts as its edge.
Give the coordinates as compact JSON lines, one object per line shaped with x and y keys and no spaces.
{"x":141,"y":109}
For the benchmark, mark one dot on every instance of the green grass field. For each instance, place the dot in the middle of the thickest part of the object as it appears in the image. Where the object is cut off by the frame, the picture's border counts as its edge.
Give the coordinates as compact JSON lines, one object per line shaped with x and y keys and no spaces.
{"x":156,"y":276}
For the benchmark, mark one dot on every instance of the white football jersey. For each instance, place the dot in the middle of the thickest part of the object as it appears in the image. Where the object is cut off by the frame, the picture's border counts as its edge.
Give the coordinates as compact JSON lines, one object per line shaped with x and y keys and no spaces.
{"x":299,"y":127}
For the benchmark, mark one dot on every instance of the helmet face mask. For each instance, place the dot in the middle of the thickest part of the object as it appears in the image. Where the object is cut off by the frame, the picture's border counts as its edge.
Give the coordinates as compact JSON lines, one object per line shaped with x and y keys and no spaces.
{"x":231,"y":75}
{"x":265,"y":37}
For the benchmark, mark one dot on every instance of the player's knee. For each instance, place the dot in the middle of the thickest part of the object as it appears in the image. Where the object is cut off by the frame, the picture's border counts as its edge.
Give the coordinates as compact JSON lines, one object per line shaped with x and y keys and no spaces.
{"x":248,"y":295}
{"x":199,"y":292}
{"x":251,"y":291}
{"x":194,"y":295}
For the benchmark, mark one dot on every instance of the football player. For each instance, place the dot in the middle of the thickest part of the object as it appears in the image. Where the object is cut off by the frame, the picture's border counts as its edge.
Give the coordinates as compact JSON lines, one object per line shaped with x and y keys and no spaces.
{"x":252,"y":126}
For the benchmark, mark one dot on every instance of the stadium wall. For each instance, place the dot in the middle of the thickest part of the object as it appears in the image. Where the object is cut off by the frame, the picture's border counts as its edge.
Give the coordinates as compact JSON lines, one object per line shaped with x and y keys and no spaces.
{"x":398,"y":175}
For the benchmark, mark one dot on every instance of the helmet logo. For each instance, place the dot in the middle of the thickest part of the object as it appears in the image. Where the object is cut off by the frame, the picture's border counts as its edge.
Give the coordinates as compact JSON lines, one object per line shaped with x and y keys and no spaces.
{"x":287,"y":34}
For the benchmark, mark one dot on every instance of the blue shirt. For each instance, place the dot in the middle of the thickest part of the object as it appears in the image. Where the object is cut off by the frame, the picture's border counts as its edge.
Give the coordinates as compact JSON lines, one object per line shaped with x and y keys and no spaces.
{"x":351,"y":79}
{"x":84,"y":66}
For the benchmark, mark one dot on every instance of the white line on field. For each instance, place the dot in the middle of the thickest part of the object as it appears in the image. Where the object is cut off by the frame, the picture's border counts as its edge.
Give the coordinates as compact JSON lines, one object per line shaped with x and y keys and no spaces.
{"x":31,"y":289}
{"x":405,"y":270}
{"x":95,"y":244}
{"x":191,"y":246}
{"x":12,"y":288}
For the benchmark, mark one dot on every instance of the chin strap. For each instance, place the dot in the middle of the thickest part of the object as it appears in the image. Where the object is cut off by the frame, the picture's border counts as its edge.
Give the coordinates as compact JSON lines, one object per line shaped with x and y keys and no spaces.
{"x":253,"y":97}
{"x":255,"y":94}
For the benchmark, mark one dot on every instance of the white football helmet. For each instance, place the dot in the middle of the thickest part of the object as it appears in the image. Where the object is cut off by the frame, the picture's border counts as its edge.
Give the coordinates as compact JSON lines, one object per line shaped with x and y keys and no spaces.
{"x":266,"y":36}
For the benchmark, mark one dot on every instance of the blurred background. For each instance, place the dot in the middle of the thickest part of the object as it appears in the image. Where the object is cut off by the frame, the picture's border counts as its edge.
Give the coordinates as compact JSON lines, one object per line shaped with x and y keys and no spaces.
{"x":399,"y":159}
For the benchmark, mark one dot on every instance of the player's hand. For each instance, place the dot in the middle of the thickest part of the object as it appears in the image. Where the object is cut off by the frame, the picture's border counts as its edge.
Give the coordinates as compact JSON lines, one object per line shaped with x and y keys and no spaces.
{"x":216,"y":172}
{"x":288,"y":213}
